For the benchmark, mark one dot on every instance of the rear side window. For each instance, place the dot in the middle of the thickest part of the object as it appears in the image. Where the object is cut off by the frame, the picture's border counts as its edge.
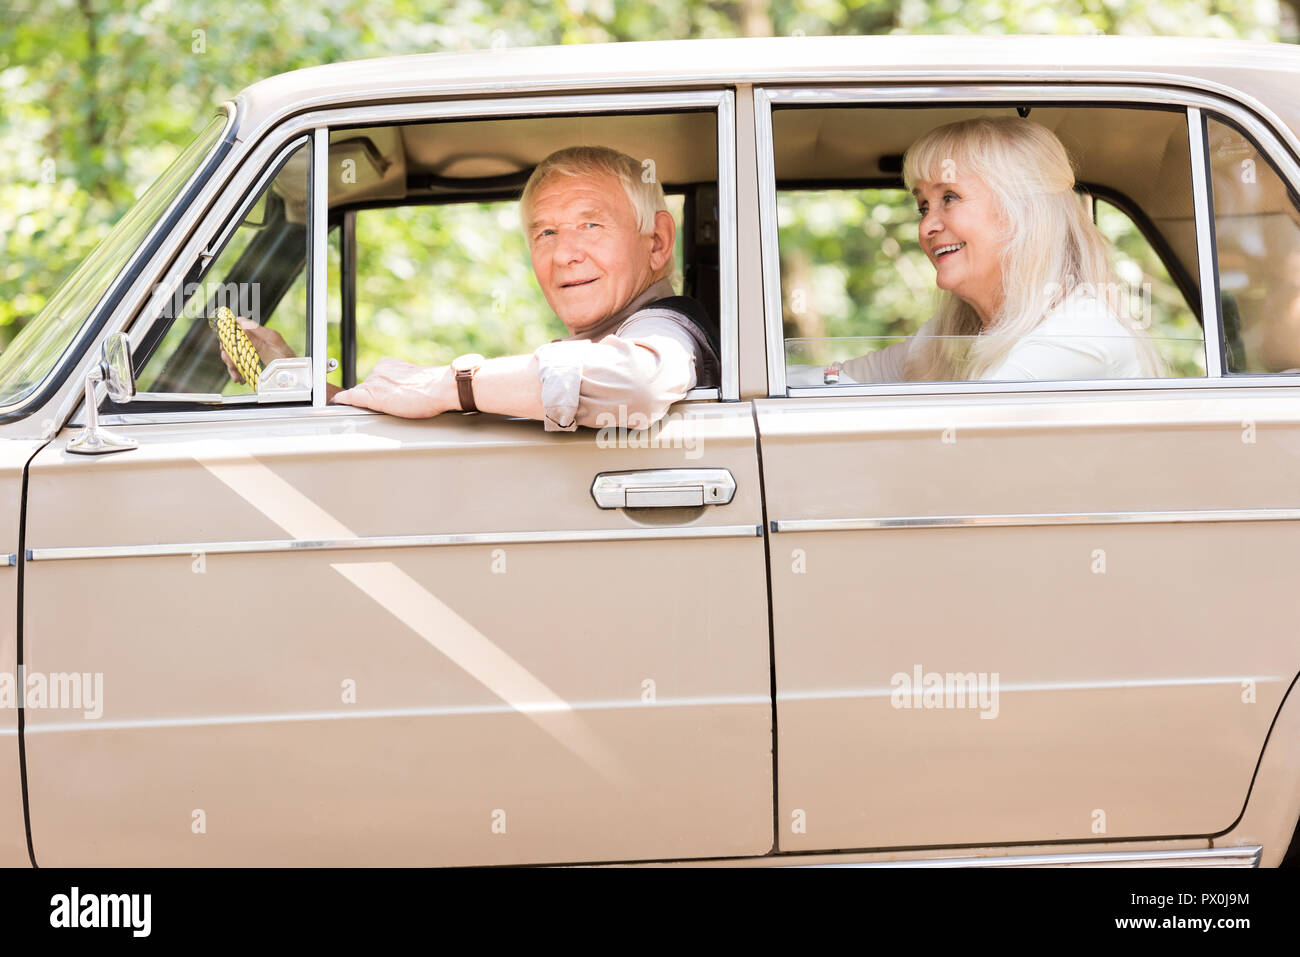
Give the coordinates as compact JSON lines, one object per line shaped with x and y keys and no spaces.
{"x":1257,"y":237}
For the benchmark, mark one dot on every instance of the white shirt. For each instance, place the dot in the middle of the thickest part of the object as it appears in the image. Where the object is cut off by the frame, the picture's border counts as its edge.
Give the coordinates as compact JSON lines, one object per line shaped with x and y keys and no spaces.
{"x":629,"y":369}
{"x":1079,"y":339}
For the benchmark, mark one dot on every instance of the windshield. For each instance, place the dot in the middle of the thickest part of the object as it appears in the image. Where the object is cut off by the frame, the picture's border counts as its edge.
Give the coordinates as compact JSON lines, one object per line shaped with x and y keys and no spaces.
{"x":36,"y":350}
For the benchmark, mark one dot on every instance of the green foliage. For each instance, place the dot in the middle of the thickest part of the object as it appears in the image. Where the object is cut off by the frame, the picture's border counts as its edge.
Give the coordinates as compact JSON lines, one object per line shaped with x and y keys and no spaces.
{"x":476,"y":294}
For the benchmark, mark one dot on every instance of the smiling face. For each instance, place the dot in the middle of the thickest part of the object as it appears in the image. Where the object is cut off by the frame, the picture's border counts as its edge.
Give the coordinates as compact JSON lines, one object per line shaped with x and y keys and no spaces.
{"x":588,"y":255}
{"x":959,"y":231}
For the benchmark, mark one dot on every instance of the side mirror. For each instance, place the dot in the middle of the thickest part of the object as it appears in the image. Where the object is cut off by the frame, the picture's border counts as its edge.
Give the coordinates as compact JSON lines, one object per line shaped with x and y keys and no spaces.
{"x":114,"y":370}
{"x":116,"y":367}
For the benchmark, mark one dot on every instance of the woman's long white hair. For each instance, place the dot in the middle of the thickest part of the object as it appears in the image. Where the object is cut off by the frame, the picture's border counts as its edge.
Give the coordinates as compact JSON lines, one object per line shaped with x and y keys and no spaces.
{"x":1050,"y":246}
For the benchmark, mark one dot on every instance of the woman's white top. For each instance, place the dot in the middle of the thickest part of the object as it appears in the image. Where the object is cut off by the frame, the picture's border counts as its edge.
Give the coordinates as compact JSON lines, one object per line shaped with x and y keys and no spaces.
{"x":1079,"y":339}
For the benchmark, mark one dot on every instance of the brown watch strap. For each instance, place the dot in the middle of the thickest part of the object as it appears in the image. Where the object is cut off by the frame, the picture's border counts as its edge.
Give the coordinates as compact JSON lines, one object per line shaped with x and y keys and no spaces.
{"x":465,"y":389}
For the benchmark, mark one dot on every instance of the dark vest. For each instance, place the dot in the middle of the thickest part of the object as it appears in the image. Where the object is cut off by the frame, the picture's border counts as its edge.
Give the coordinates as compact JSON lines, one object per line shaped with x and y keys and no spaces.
{"x":690,"y":316}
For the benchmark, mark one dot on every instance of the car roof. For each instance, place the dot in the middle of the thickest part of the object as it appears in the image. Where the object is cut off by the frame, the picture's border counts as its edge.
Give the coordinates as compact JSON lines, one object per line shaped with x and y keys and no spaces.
{"x":1264,"y":72}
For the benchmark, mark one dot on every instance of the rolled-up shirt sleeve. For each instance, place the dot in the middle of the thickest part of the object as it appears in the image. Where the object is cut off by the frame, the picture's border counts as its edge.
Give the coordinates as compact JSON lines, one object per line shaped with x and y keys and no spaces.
{"x":632,"y":377}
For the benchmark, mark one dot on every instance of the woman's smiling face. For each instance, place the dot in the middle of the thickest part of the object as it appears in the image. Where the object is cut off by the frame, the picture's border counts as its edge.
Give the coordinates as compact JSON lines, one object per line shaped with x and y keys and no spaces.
{"x":960,"y":232}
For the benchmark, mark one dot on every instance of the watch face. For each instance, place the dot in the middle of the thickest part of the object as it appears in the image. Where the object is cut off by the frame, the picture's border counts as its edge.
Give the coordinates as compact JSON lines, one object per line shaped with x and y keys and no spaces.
{"x":466,"y":363}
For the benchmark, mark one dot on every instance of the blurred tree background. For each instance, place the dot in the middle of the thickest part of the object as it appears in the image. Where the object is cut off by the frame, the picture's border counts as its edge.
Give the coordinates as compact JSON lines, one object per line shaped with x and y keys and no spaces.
{"x":100,"y":95}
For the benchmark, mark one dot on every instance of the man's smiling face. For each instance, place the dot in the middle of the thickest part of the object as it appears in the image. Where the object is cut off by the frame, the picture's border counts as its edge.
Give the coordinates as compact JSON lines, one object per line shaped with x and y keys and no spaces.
{"x":588,"y":256}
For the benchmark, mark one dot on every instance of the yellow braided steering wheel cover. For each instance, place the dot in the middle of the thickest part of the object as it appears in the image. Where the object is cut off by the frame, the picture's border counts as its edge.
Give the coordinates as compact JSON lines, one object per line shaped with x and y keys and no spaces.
{"x":237,"y":345}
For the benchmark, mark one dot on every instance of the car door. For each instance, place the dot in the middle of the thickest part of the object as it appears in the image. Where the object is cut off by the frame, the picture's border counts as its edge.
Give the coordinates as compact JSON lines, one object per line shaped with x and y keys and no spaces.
{"x":331,"y":636}
{"x":1025,"y":612}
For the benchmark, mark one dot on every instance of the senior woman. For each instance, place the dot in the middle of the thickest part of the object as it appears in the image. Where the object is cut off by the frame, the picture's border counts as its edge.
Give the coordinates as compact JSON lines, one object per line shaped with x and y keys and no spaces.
{"x":1026,"y":277}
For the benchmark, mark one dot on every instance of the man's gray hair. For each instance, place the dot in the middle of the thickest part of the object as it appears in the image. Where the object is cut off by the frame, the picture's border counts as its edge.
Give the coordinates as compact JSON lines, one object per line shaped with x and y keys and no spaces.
{"x":647,"y":198}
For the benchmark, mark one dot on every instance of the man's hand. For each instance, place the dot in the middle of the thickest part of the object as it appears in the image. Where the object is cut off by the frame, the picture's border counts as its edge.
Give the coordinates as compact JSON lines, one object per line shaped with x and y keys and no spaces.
{"x":270,"y":345}
{"x":405,"y":389}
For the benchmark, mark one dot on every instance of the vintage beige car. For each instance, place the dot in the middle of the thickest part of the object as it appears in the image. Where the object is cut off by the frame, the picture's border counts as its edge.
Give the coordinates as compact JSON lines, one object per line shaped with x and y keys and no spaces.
{"x":797,"y":621}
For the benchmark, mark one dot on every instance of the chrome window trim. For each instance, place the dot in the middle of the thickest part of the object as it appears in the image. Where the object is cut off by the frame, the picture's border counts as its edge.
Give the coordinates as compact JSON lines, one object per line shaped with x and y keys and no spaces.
{"x":709,"y":393}
{"x":728,"y":252}
{"x":221,"y":414}
{"x":286,"y":410}
{"x":1275,"y":380}
{"x":1244,"y":856}
{"x":925,"y":95}
{"x":73,"y":385}
{"x":64,"y":553}
{"x":318,"y":261}
{"x":769,"y":250}
{"x":320,"y":122}
{"x":270,"y":411}
{"x":1205,"y":252}
{"x":1180,"y":516}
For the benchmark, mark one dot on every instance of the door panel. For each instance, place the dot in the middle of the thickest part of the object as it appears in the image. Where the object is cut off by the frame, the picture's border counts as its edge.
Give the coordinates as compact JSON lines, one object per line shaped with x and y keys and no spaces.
{"x":14,"y":455}
{"x":514,"y":700}
{"x":1119,"y":650}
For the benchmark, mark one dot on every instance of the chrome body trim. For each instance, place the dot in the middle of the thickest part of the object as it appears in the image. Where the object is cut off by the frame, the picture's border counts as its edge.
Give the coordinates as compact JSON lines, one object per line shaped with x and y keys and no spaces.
{"x":395,"y":541}
{"x":1205,"y":252}
{"x":1245,"y":856}
{"x":1047,"y":518}
{"x":1092,"y":94}
{"x":11,"y":559}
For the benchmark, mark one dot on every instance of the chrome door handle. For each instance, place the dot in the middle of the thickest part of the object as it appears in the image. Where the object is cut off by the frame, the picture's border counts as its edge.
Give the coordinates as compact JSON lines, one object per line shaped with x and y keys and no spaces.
{"x":663,"y":488}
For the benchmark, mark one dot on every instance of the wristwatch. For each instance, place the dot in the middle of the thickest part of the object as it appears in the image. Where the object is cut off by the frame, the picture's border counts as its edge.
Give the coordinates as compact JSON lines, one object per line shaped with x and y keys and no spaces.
{"x":465,"y":366}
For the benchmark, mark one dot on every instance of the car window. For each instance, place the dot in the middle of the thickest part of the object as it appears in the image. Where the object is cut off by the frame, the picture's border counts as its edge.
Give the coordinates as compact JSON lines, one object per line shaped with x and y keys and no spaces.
{"x":259,"y":273}
{"x":1257,"y":239}
{"x":433,"y":246}
{"x":856,"y":282}
{"x":438,"y":281}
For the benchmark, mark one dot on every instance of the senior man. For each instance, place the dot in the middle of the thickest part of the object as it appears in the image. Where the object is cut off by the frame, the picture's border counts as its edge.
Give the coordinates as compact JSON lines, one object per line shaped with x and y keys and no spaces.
{"x":601,"y":242}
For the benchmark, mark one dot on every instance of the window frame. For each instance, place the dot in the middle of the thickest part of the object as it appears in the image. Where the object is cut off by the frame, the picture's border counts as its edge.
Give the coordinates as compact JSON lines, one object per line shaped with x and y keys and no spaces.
{"x":318,"y":124}
{"x":1193,"y":104}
